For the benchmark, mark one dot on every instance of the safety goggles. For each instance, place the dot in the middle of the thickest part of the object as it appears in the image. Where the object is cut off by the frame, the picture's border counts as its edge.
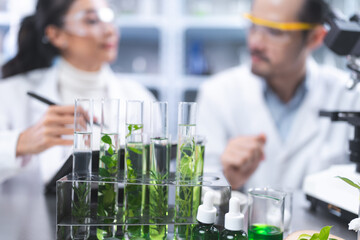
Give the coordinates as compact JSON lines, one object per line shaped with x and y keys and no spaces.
{"x":287,"y":26}
{"x":89,"y":22}
{"x":276,"y":31}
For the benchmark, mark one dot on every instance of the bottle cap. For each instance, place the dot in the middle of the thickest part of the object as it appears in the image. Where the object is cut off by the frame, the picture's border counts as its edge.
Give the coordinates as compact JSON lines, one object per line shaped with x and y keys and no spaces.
{"x":207,"y":212}
{"x":234,"y":219}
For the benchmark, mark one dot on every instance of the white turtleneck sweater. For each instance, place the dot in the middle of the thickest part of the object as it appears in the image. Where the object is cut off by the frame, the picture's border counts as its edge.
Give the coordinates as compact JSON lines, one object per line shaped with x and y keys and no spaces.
{"x":75,"y":83}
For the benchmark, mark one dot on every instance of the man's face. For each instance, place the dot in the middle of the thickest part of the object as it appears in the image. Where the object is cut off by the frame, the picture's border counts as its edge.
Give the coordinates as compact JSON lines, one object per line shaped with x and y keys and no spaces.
{"x":275,"y":52}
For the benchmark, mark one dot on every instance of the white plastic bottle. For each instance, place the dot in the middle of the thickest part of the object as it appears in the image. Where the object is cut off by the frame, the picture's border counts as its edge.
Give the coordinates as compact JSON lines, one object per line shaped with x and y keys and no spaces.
{"x":206,"y":215}
{"x":234,"y":222}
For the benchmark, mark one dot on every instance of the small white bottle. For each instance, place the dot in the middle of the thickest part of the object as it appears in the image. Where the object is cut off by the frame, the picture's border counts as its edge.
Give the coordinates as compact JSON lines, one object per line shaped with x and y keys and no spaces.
{"x":206,"y":215}
{"x":234,"y":222}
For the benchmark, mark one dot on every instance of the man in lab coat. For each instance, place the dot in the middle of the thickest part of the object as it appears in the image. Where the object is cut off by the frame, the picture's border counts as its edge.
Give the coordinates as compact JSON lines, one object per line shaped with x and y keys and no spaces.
{"x":262,"y":122}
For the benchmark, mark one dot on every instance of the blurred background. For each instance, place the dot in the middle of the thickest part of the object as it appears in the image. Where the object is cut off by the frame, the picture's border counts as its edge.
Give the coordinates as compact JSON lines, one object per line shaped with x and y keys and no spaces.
{"x":171,"y":46}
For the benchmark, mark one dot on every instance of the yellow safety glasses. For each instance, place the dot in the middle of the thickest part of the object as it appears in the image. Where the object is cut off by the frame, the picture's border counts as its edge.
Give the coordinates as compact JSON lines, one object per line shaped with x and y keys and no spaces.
{"x":289,"y":26}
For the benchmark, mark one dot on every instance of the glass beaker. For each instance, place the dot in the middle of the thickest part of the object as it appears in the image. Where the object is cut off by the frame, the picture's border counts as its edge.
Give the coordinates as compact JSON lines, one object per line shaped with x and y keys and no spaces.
{"x":288,"y":206}
{"x":266,"y":214}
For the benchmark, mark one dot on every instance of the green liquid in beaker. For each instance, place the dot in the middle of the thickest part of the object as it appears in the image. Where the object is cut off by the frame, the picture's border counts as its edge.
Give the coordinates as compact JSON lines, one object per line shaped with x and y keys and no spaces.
{"x":265,"y":232}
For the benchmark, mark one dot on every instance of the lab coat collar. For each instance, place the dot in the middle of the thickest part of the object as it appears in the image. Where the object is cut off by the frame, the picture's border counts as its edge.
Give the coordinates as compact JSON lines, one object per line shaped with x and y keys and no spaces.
{"x":305,"y":124}
{"x":303,"y":129}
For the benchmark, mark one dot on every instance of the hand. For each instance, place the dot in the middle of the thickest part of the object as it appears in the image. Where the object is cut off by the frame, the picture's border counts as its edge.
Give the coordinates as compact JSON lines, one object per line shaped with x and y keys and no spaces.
{"x":48,"y":131}
{"x":241,"y":158}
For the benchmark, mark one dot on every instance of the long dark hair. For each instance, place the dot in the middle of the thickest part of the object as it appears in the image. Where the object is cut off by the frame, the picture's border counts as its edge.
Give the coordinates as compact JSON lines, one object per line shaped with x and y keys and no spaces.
{"x":34,"y":49}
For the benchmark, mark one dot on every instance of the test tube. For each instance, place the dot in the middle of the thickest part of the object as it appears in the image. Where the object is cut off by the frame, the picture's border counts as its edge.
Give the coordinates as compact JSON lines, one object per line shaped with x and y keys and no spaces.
{"x":83,"y":127}
{"x":135,"y":169}
{"x":159,"y":139}
{"x":109,"y":160}
{"x":159,"y":166}
{"x":82,"y":159}
{"x":110,"y":138}
{"x":185,"y":169}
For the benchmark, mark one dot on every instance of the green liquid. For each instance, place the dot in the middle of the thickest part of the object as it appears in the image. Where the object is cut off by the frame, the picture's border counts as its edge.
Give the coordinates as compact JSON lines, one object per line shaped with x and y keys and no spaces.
{"x":265,"y":232}
{"x":134,"y":199}
{"x":159,"y":173}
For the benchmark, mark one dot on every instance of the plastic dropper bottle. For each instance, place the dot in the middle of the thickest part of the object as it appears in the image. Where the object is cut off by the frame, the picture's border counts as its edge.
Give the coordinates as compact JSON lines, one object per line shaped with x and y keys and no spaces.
{"x":205,"y":229}
{"x":234,"y":222}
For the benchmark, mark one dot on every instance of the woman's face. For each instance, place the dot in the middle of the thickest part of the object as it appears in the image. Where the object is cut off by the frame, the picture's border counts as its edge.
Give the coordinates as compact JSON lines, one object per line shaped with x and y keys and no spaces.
{"x":89,"y":33}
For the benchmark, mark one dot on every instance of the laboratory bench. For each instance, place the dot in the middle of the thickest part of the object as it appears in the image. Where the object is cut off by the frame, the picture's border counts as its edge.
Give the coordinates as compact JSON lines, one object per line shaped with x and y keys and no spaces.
{"x":28,"y":216}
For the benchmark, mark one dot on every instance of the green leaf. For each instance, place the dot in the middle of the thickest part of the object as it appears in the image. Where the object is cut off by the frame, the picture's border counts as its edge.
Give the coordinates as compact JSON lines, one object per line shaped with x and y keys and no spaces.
{"x":101,"y":210}
{"x":112,"y":170}
{"x":135,"y":150}
{"x":100,"y":233}
{"x":304,"y":237}
{"x":324,"y":233}
{"x":106,"y":159}
{"x":348,"y":181}
{"x":106,"y":139}
{"x":128,"y":163}
{"x":315,"y":236}
{"x":137,"y":127}
{"x":114,"y":158}
{"x":133,"y":127}
{"x":111,"y":165}
{"x":109,"y":196}
{"x":110,"y":151}
{"x":103,"y":172}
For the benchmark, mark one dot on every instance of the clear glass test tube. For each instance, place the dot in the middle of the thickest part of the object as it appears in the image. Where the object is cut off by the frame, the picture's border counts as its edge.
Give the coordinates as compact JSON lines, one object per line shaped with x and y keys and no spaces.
{"x":109,"y":160}
{"x":134,"y":117}
{"x":159,"y":166}
{"x":185,"y":169}
{"x":110,"y":138}
{"x":82,"y":159}
{"x":135,"y":169}
{"x":83,"y":128}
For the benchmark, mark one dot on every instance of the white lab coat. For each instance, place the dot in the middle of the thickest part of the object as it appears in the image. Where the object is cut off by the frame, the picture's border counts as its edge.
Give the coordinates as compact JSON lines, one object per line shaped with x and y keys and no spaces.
{"x":232,"y":104}
{"x":18,"y":112}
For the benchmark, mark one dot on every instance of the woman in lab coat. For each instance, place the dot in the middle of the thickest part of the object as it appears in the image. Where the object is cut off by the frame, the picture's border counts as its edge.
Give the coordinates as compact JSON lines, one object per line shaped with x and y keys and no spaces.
{"x":35,"y":139}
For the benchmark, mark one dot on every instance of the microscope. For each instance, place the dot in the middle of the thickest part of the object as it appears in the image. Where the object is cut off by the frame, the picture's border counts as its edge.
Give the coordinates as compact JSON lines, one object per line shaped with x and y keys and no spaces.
{"x":323,"y":189}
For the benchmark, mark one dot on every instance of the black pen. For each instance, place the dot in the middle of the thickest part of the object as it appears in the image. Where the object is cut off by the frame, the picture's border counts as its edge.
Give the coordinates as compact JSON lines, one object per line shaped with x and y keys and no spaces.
{"x":48,"y":102}
{"x":41,"y":99}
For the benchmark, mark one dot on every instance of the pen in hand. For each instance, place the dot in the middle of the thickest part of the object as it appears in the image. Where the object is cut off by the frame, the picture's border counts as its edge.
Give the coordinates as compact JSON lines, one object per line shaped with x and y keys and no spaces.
{"x":48,"y":102}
